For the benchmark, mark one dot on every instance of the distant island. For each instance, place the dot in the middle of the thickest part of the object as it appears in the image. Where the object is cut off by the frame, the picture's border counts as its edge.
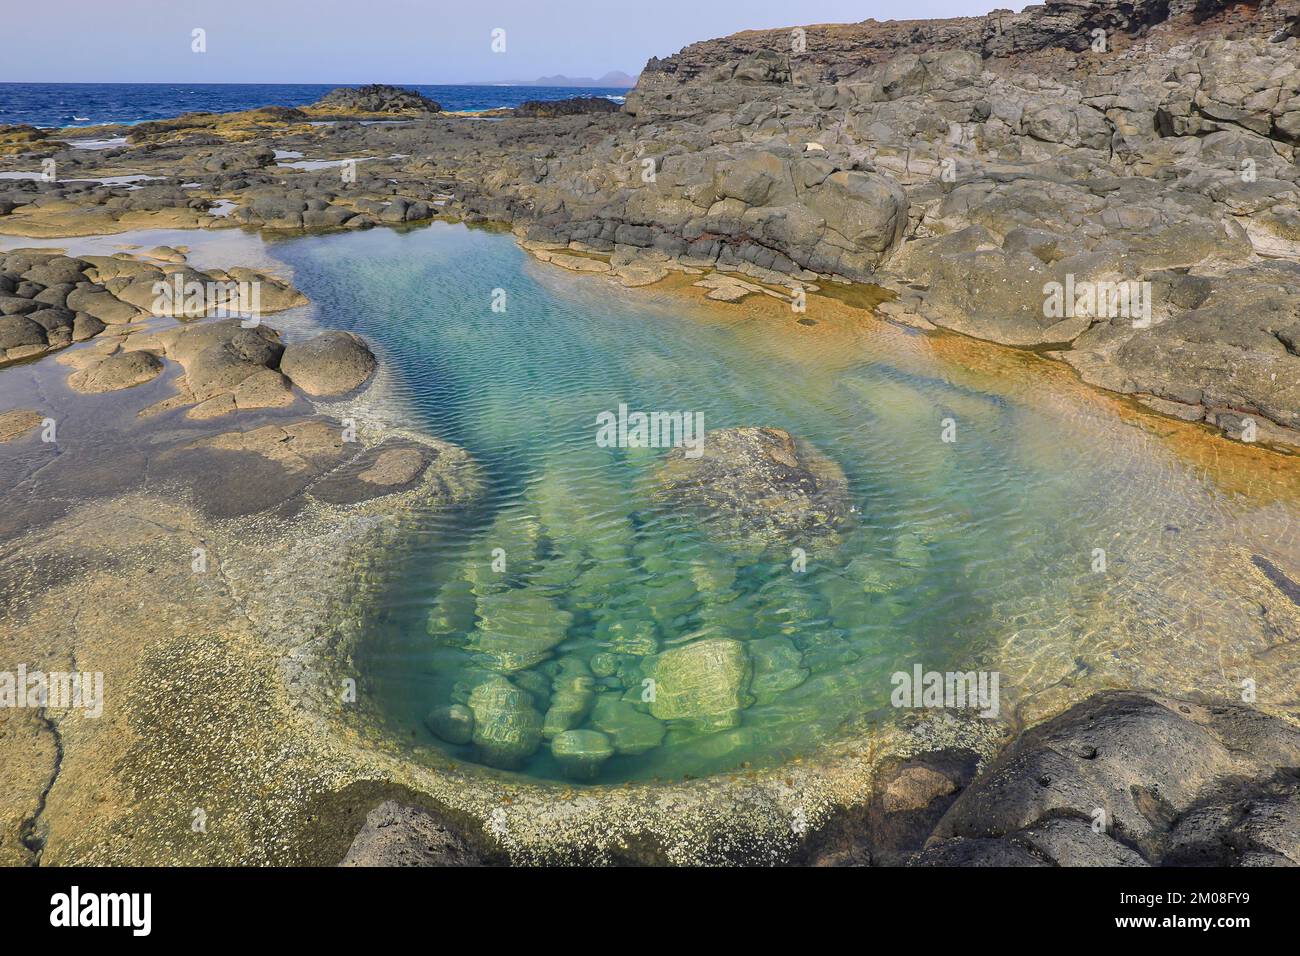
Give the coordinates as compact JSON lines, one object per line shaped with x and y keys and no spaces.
{"x":614,"y":78}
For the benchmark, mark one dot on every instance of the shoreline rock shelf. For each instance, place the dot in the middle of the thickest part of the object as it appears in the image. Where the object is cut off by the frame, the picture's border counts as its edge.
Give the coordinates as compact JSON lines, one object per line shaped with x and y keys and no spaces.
{"x":969,"y":163}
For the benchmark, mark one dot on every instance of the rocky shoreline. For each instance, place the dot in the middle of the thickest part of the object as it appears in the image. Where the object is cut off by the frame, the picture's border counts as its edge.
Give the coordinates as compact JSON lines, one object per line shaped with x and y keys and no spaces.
{"x":1087,"y":788}
{"x":966,"y":165}
{"x":960,"y":167}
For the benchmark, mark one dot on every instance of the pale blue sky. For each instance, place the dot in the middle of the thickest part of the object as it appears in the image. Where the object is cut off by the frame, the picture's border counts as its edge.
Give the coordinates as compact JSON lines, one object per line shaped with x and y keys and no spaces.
{"x":392,"y":41}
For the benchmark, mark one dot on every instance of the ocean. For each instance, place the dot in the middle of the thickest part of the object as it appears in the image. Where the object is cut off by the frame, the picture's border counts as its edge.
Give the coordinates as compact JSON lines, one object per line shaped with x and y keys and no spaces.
{"x":58,"y":105}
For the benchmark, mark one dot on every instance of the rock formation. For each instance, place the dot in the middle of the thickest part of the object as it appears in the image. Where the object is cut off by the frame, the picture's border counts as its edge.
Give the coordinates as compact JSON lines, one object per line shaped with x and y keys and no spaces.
{"x":548,"y":109}
{"x":375,"y":98}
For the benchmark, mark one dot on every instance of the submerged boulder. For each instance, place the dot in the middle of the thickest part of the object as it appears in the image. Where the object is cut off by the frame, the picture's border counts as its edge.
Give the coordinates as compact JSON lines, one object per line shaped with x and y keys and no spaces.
{"x":622,"y":635}
{"x":580,"y":753}
{"x":507,"y":728}
{"x":704,"y":682}
{"x":631,"y":730}
{"x":518,"y":628}
{"x":572,"y":694}
{"x":778,"y":667}
{"x":757,"y":486}
{"x":453,"y":723}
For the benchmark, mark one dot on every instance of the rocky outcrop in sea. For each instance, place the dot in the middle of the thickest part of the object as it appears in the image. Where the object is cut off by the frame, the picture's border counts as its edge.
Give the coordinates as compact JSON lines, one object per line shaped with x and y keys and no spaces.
{"x":376,"y":98}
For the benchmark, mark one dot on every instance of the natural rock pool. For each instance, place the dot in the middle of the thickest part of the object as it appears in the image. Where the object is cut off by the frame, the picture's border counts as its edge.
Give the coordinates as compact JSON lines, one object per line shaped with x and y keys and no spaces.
{"x":1064,"y":540}
{"x":977,"y":554}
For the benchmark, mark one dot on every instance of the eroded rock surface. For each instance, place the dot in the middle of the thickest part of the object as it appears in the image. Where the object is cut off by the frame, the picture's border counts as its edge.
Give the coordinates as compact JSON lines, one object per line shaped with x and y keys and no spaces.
{"x":1125,"y":778}
{"x":966,"y":163}
{"x":756,"y":485}
{"x":332,"y":363}
{"x":398,"y":835}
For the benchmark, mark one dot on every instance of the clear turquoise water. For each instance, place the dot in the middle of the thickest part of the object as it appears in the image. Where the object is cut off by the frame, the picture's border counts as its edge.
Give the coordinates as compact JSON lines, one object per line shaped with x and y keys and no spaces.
{"x":964,"y":556}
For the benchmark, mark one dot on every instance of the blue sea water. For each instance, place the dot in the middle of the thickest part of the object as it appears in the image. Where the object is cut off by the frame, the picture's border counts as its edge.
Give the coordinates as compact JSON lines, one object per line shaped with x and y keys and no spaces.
{"x":57,"y":105}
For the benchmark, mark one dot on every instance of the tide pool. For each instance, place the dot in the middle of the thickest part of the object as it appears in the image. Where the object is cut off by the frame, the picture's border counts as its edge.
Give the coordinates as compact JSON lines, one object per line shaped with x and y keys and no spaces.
{"x":575,"y":625}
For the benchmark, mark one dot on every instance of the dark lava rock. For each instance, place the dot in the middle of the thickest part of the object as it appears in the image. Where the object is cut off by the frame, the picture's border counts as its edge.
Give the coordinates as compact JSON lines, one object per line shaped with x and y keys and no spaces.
{"x":377,"y":98}
{"x":572,"y":106}
{"x":397,"y":835}
{"x":1132,"y":778}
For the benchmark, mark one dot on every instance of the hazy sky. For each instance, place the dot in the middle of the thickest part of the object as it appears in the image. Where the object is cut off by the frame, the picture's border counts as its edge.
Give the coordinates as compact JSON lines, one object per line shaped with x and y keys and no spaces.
{"x":392,"y":41}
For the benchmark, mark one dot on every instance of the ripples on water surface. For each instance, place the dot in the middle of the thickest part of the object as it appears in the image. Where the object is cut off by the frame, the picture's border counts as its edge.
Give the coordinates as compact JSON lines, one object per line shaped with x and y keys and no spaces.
{"x":975,"y":555}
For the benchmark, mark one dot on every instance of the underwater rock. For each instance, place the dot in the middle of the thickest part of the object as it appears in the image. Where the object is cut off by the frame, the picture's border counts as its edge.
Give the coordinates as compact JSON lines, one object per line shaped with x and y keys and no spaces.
{"x":704,"y":682}
{"x":754,"y":486}
{"x":593,"y":586}
{"x":518,"y":628}
{"x":604,"y":665}
{"x":778,"y":667}
{"x":714,"y":579}
{"x":631,"y":730}
{"x":873,"y":575}
{"x":829,"y":650}
{"x":580,"y":753}
{"x":537,"y":683}
{"x":454,"y":723}
{"x":392,"y":465}
{"x":454,"y":611}
{"x":17,"y":423}
{"x":670,"y":596}
{"x":912,"y":555}
{"x":785,"y":606}
{"x":572,"y":694}
{"x":622,"y":635}
{"x":507,"y":728}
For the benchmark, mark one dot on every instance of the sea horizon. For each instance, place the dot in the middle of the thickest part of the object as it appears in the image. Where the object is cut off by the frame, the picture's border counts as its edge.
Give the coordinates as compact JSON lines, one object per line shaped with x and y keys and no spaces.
{"x":52,"y":106}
